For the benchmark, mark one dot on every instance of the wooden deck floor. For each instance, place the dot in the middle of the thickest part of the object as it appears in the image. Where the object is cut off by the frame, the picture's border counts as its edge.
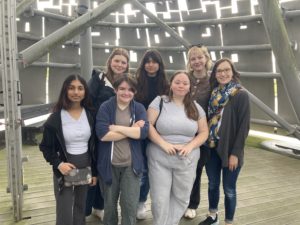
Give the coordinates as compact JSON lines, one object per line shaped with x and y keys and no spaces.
{"x":268,"y":192}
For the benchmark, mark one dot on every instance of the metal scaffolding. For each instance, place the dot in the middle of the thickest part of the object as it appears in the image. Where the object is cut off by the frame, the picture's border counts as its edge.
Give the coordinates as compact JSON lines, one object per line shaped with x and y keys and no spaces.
{"x":70,"y":30}
{"x":32,"y":53}
{"x":86,"y":55}
{"x":271,"y":17}
{"x":285,"y":58}
{"x":11,"y":100}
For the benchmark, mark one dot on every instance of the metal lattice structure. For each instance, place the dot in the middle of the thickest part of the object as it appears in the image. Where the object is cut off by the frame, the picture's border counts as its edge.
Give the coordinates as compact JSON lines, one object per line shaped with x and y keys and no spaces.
{"x":261,"y":36}
{"x":11,"y":98}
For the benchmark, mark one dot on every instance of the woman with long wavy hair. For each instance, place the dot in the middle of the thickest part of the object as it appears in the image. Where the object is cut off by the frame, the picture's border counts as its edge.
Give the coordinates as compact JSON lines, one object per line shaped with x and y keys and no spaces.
{"x":180,"y":128}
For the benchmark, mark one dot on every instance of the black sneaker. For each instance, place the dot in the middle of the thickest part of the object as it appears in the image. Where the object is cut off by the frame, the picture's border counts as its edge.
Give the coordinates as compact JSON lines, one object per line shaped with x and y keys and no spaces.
{"x":210,"y":221}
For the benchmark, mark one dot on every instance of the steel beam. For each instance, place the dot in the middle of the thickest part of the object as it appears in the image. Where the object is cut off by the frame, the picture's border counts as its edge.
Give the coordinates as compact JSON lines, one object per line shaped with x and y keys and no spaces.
{"x":86,"y":55}
{"x":161,"y":24}
{"x":280,"y":43}
{"x":27,"y":36}
{"x":55,"y":65}
{"x":51,"y":15}
{"x":228,"y":20}
{"x":291,"y":129}
{"x":63,"y":34}
{"x":66,"y":65}
{"x":23,"y":6}
{"x":262,"y":47}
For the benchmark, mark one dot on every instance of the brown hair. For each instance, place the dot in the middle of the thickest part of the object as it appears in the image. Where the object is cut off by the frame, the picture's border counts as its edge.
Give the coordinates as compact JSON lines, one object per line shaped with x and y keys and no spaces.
{"x":128,"y":78}
{"x":116,"y":51}
{"x":189,"y":104}
{"x":213,"y":80}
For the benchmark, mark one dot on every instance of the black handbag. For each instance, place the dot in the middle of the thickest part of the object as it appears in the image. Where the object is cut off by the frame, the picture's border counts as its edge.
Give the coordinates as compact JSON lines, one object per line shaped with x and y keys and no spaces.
{"x":77,"y":177}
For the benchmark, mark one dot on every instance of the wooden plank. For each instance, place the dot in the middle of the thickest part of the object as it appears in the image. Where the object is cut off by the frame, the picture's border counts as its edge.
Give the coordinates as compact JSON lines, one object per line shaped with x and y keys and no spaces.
{"x":268,"y":192}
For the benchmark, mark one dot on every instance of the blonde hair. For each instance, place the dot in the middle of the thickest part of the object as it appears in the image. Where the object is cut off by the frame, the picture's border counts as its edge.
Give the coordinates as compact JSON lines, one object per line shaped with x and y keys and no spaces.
{"x":200,"y":50}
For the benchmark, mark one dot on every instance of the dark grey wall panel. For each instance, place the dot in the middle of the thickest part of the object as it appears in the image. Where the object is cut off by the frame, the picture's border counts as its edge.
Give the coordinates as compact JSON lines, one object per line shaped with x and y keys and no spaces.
{"x":128,"y":37}
{"x":284,"y":105}
{"x":36,"y":25}
{"x":164,"y":41}
{"x":69,"y":54}
{"x":251,"y":61}
{"x":56,"y":79}
{"x":178,"y":61}
{"x":106,"y":35}
{"x":264,"y":90}
{"x":243,"y":8}
{"x":100,"y":57}
{"x":194,"y":35}
{"x":173,"y":5}
{"x":254,"y":34}
{"x":33,"y":85}
{"x":291,"y":5}
{"x":198,"y":14}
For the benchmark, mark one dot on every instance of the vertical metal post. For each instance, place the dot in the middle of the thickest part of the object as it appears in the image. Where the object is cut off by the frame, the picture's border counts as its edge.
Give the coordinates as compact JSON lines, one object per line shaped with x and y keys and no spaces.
{"x":280,"y":43}
{"x":11,"y":99}
{"x":86,"y":55}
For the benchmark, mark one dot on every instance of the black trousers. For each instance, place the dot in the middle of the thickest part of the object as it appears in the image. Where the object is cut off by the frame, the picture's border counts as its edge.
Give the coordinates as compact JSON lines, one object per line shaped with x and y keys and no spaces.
{"x":70,"y":201}
{"x":195,"y":194}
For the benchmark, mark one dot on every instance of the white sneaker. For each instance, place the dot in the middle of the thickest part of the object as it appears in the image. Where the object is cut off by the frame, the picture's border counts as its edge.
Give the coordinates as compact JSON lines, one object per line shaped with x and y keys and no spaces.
{"x":99,"y":213}
{"x":190,"y":213}
{"x":141,"y":211}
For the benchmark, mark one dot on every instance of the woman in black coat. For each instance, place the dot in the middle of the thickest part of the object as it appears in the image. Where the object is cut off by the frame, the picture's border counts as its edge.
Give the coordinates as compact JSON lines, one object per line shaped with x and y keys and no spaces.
{"x":68,"y":145}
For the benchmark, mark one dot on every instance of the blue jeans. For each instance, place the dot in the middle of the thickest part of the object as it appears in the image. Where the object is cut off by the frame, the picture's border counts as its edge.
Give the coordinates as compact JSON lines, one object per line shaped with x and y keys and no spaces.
{"x":94,"y":199}
{"x":145,"y":187}
{"x":213,"y":171}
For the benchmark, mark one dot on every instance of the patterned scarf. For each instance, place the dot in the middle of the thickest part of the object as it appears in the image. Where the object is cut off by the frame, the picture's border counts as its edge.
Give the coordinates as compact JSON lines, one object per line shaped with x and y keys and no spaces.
{"x":218,"y":99}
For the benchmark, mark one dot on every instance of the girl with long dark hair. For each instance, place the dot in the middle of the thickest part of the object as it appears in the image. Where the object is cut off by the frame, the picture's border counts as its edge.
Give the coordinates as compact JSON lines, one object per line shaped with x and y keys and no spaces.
{"x":151,"y":82}
{"x":68,"y":145}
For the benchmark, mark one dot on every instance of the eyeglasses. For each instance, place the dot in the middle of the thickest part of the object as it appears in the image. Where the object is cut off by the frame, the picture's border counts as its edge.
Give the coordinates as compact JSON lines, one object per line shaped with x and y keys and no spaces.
{"x":196,"y":45}
{"x":227,"y":70}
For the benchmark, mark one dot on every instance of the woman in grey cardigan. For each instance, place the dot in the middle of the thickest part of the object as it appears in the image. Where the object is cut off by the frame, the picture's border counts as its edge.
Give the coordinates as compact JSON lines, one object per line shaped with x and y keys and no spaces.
{"x":229,"y":116}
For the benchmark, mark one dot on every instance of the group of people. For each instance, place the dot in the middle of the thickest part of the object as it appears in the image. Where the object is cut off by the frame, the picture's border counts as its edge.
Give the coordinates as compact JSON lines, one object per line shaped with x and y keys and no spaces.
{"x":146,"y":132}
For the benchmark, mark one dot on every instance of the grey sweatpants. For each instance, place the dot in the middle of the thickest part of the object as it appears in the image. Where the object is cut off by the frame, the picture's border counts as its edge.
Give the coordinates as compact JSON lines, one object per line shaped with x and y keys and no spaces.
{"x":171,"y":180}
{"x":126,"y":185}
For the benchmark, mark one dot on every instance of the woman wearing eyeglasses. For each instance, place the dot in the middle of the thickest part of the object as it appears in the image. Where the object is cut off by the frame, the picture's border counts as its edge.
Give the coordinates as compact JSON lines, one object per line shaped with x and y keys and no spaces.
{"x":229,"y":119}
{"x":198,"y":64}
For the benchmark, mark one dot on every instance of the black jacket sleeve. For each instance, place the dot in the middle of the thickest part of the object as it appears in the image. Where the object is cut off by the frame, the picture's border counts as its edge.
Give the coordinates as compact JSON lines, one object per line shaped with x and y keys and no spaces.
{"x":48,"y":147}
{"x":242,"y":112}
